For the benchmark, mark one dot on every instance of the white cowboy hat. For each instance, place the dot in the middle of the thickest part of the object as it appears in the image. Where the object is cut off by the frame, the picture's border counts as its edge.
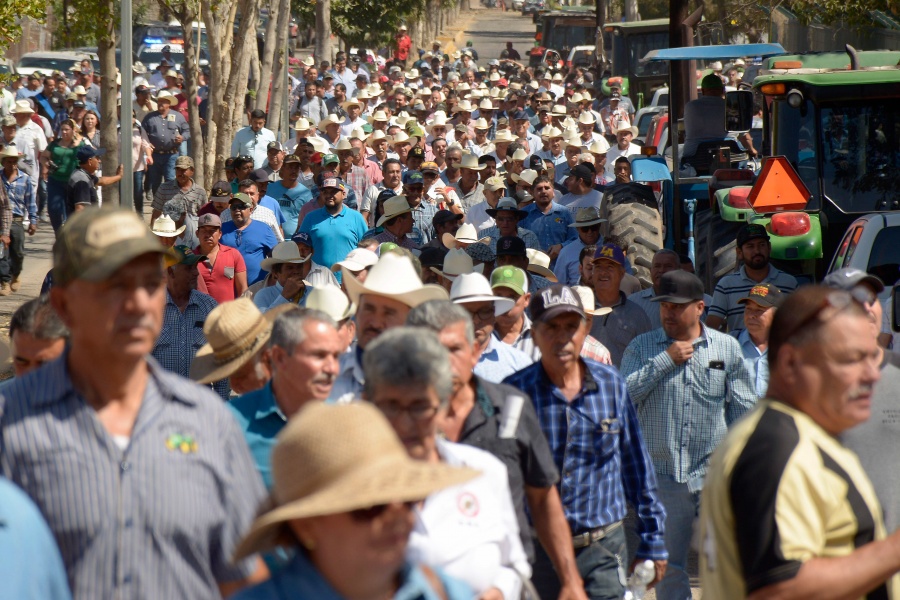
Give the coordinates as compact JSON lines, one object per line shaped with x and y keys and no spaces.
{"x":469,"y":161}
{"x":558,"y":110}
{"x":557,"y":76}
{"x":569,"y":123}
{"x":465,"y":235}
{"x":332,"y":301}
{"x":586,"y":295}
{"x":353,"y":102}
{"x":10,"y":151}
{"x":486,"y":104}
{"x":318,"y":144}
{"x":331,"y":119}
{"x":79,"y":90}
{"x":235,"y":331}
{"x":463,"y":106}
{"x":393,"y":207}
{"x":413,"y":74}
{"x":576,"y":98}
{"x":309,"y":61}
{"x":403,"y":118}
{"x":164,"y":226}
{"x":394,"y":276}
{"x":588,"y":215}
{"x":343,"y":144}
{"x":526,"y":176}
{"x":456,"y":263}
{"x":376,"y":136}
{"x":481,"y":123}
{"x":519,"y":155}
{"x":632,"y":130}
{"x":600,"y":146}
{"x":551,"y":132}
{"x":539,"y":264}
{"x":335,"y":459}
{"x":284,"y":252}
{"x":302,"y":124}
{"x":358,"y":134}
{"x":494,"y":77}
{"x":22,"y":108}
{"x":356,"y":260}
{"x":587,"y":118}
{"x":439,"y":120}
{"x":474,"y":287}
{"x":378,"y":115}
{"x":400,"y":138}
{"x":504,"y":135}
{"x":164,"y":96}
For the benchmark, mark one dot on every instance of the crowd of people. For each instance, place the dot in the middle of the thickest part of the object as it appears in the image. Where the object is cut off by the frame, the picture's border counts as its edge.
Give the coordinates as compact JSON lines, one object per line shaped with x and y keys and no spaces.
{"x":396,"y":357}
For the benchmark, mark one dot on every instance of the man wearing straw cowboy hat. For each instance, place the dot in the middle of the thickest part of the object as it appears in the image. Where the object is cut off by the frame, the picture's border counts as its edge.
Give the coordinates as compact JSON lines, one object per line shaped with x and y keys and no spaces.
{"x":303,"y":352}
{"x":469,"y":189}
{"x":167,"y":461}
{"x":587,"y":224}
{"x":391,"y":288}
{"x":166,"y":129}
{"x":398,"y":222}
{"x":16,"y":205}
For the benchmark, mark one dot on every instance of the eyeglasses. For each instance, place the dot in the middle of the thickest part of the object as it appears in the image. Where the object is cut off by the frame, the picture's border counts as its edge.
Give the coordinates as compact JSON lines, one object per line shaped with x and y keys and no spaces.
{"x":373,"y":512}
{"x":483,"y":314}
{"x":416,"y":412}
{"x":237,"y":208}
{"x":595,"y":227}
{"x":837,"y":301}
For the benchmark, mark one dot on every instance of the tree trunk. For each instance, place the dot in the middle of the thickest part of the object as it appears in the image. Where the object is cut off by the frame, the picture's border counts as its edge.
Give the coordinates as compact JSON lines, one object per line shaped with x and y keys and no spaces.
{"x":269,"y":51}
{"x":276,"y":106}
{"x":196,"y":143}
{"x":106,"y":50}
{"x":631,"y":11}
{"x":323,"y":31}
{"x":236,"y":90}
{"x":219,"y":35}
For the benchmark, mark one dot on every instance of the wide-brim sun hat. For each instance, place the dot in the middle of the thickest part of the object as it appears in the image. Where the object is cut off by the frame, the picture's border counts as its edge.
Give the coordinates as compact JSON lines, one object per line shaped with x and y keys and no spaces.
{"x":466,"y":234}
{"x":539,"y":264}
{"x":331,"y":300}
{"x":235,"y":331}
{"x":474,"y":287}
{"x":356,"y":260}
{"x":394,"y":276}
{"x":164,"y":226}
{"x":335,"y":459}
{"x":457,"y":262}
{"x":283,"y":253}
{"x":393,"y":207}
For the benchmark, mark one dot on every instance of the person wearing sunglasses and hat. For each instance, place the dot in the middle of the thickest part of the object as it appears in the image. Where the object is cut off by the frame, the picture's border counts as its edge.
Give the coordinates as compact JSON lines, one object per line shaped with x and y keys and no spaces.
{"x":759,"y":310}
{"x":753,"y":250}
{"x":827,"y":536}
{"x":595,"y":412}
{"x":587,"y":224}
{"x":109,"y":290}
{"x":507,"y":215}
{"x":682,"y":423}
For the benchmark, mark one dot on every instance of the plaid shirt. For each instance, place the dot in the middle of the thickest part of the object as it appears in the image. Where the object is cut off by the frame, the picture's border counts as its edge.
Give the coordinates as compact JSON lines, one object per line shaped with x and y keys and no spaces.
{"x":387,"y":236}
{"x":182,"y":336}
{"x":423,"y":215}
{"x":357,"y":179}
{"x":20,"y":192}
{"x":5,"y":210}
{"x":685,"y":410}
{"x":597,"y":446}
{"x":192,"y":199}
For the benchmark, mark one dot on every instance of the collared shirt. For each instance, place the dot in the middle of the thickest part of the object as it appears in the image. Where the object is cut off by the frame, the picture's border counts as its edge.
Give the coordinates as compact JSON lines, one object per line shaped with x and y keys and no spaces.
{"x":269,"y":297}
{"x":300,"y":579}
{"x":616,"y":329}
{"x":551,"y":228}
{"x":757,"y":362}
{"x":162,"y":130}
{"x":573,"y":202}
{"x":191,"y":200}
{"x":349,"y":384}
{"x":357,"y":179}
{"x":253,"y":144}
{"x":592,"y":349}
{"x":615,"y":152}
{"x":261,"y":214}
{"x":470,"y":199}
{"x":32,"y":568}
{"x":260,"y":420}
{"x":182,"y":336}
{"x":219,"y":277}
{"x":499,"y":361}
{"x":528,"y":236}
{"x":477,"y":216}
{"x":423,"y":215}
{"x":81,"y":189}
{"x":732,"y":288}
{"x":348,"y":78}
{"x":598,"y":448}
{"x":21,"y":196}
{"x":685,"y":410}
{"x":290,"y":200}
{"x":521,"y":446}
{"x":387,"y":236}
{"x":159,"y":518}
{"x":255,"y":242}
{"x":567,"y":264}
{"x":333,"y":236}
{"x":644,"y":300}
{"x":524,"y":341}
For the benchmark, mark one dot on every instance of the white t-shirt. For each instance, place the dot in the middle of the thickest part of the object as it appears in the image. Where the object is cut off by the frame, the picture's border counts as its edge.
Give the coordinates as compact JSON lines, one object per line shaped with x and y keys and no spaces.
{"x":615,"y":152}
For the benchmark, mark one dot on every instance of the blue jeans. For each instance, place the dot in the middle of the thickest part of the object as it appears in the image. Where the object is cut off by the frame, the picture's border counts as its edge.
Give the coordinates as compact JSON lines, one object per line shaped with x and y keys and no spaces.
{"x":682,"y":508}
{"x":138,"y":192}
{"x":601,"y":565}
{"x":56,"y":203}
{"x":163,"y":168}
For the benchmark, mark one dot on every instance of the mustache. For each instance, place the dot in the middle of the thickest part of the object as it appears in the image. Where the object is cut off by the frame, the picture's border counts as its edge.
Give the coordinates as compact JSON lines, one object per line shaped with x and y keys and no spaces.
{"x":326,"y":378}
{"x":861,"y":390}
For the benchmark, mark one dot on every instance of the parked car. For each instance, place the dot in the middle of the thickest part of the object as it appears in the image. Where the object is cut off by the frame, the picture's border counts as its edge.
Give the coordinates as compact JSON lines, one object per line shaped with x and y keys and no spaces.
{"x":872,"y":244}
{"x":47,"y":62}
{"x":531,"y":7}
{"x":581,"y":56}
{"x":518,"y":4}
{"x":151,"y":55}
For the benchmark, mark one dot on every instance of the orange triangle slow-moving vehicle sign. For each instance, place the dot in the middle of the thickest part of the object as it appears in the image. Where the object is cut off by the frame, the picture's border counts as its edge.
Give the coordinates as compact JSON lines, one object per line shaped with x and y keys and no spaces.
{"x":778,"y":188}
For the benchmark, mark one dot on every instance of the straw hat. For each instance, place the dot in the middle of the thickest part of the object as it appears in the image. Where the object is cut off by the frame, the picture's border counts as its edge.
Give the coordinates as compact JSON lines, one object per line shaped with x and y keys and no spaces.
{"x":465,"y":235}
{"x":22,"y":108}
{"x":587,"y":118}
{"x":358,"y":134}
{"x":400,"y":139}
{"x":284,"y":252}
{"x":600,"y":146}
{"x":9,"y":151}
{"x":463,"y":106}
{"x":586,"y":216}
{"x":539,"y":264}
{"x":335,"y":459}
{"x":507,"y":203}
{"x":343,"y":144}
{"x":457,"y":263}
{"x":481,"y":123}
{"x":395,"y":206}
{"x":235,"y":332}
{"x":474,"y":287}
{"x":504,"y":135}
{"x":332,"y":301}
{"x":354,"y":102}
{"x":586,"y":295}
{"x":469,"y":161}
{"x":526,"y":176}
{"x":394,"y":276}
{"x":164,"y":226}
{"x":439,"y":120}
{"x":558,"y":110}
{"x":376,"y":136}
{"x":519,"y":155}
{"x":331,"y":119}
{"x":302,"y":124}
{"x":318,"y":144}
{"x":163,"y":96}
{"x":551,"y":132}
{"x":378,"y":115}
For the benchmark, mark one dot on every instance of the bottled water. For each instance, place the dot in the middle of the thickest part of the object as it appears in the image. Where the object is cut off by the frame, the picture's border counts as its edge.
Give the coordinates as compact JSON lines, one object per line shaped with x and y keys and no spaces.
{"x":637,"y":584}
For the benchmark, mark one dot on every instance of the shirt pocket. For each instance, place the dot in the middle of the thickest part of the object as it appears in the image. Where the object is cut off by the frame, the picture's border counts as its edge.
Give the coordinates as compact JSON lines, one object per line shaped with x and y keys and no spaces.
{"x":715,"y":383}
{"x":229,"y":272}
{"x":606,"y":438}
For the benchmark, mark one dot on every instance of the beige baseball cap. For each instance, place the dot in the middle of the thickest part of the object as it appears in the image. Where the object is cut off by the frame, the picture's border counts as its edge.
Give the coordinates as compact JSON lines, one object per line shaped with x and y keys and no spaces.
{"x":96,"y":242}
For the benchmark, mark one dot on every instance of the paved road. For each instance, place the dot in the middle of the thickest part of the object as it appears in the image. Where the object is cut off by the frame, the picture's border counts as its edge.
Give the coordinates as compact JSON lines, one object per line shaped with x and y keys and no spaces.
{"x":492,"y":28}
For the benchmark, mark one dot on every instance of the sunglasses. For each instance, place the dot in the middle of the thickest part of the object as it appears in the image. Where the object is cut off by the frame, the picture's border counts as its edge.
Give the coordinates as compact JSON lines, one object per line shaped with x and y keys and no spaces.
{"x":363,"y":515}
{"x":595,"y":227}
{"x":831,"y":305}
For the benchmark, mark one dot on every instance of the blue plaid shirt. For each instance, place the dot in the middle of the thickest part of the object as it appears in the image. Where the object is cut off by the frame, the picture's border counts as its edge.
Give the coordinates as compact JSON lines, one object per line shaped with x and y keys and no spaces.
{"x":598,"y":448}
{"x":21,"y":195}
{"x":551,"y":228}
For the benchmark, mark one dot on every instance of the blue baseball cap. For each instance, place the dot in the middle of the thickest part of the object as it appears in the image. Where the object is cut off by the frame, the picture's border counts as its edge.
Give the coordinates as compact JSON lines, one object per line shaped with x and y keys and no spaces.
{"x":610,"y":252}
{"x":413,"y":178}
{"x":301,"y":237}
{"x":86,"y":152}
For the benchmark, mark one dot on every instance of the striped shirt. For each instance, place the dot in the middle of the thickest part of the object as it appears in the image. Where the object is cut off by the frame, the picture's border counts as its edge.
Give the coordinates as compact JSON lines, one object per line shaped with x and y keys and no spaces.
{"x":190,"y":200}
{"x":598,"y":448}
{"x":685,"y":410}
{"x":499,"y":361}
{"x":21,"y":194}
{"x":732,"y":288}
{"x":528,"y":236}
{"x":157,"y":519}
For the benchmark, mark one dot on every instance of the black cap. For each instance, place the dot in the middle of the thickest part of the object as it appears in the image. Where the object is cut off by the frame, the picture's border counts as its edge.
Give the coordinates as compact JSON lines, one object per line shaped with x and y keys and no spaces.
{"x":584,"y":173}
{"x":259,"y":176}
{"x":520,"y":115}
{"x":220,"y":189}
{"x":445,"y":216}
{"x":417,"y":152}
{"x":679,"y":287}
{"x":751,"y":231}
{"x":433,"y":257}
{"x":764,"y":294}
{"x":553,"y":301}
{"x":511,"y":246}
{"x":535,"y":162}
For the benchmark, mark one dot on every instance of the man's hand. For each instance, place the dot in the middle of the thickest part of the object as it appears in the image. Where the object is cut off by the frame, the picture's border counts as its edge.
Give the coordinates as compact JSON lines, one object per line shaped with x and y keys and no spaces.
{"x":178,"y":138}
{"x":32,"y":227}
{"x":572,"y":592}
{"x":658,"y":574}
{"x":120,"y":170}
{"x":553,"y":251}
{"x":149,"y":159}
{"x":5,"y":239}
{"x":292,"y":287}
{"x":680,"y":352}
{"x":491,"y":594}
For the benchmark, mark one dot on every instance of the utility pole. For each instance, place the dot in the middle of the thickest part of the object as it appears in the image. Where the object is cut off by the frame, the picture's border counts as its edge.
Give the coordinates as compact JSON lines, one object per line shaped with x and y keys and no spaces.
{"x":600,"y":10}
{"x":323,"y":31}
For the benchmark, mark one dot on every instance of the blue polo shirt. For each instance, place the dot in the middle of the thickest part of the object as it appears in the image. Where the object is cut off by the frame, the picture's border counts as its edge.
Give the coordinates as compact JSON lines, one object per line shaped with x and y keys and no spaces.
{"x":290,"y":201}
{"x":260,"y":421}
{"x":272,"y":204}
{"x":333,"y":237}
{"x":551,"y":228}
{"x":254,"y":243}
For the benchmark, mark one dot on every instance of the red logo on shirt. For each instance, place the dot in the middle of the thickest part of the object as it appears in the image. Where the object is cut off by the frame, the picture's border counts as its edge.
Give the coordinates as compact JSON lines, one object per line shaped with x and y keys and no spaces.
{"x":467,"y":504}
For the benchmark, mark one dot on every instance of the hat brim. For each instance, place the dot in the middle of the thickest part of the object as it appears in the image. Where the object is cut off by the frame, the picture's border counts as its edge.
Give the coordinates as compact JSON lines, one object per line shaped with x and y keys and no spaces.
{"x":168,"y":234}
{"x":451,"y":242}
{"x":479,"y":268}
{"x":501,"y":305}
{"x":492,"y":212}
{"x":384,"y":481}
{"x":596,"y":221}
{"x":760,"y":301}
{"x":385,"y":218}
{"x":205,"y":369}
{"x":412,"y":298}
{"x":674,"y":299}
{"x":270,"y":262}
{"x":459,"y":165}
{"x":543,"y":272}
{"x":350,"y":265}
{"x":598,"y":312}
